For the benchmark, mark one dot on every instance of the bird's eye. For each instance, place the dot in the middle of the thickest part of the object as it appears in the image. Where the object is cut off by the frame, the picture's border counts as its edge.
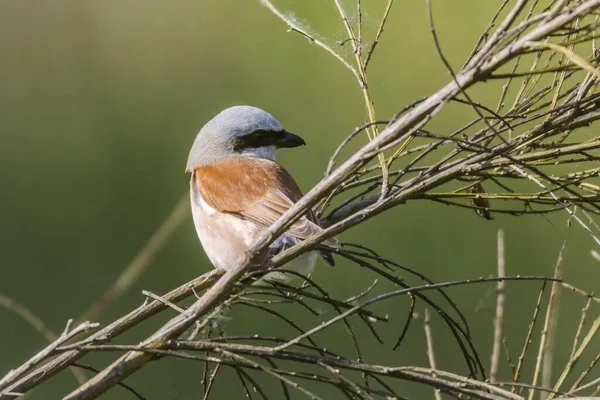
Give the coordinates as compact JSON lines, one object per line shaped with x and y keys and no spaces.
{"x":238,"y":144}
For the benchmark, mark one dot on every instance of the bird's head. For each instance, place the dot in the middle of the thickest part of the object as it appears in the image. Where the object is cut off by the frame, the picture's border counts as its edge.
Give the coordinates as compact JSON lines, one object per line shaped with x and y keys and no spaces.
{"x":240,"y":131}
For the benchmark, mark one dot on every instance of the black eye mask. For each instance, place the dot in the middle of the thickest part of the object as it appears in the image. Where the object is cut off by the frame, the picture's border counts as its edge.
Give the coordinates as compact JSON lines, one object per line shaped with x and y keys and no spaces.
{"x":260,"y":138}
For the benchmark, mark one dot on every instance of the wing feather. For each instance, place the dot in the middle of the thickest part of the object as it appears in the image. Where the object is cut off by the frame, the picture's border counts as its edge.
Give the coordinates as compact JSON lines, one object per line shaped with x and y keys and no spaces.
{"x":257,"y":190}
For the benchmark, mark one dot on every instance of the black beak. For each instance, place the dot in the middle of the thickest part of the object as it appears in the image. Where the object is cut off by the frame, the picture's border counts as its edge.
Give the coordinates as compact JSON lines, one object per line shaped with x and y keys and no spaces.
{"x":289,"y":140}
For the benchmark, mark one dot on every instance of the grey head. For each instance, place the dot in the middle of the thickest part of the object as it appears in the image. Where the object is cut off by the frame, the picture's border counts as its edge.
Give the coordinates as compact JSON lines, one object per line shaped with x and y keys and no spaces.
{"x":240,"y":131}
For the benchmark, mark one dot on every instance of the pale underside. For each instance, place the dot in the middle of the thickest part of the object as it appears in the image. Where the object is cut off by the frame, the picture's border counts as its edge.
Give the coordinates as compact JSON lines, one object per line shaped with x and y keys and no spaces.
{"x":233,"y":203}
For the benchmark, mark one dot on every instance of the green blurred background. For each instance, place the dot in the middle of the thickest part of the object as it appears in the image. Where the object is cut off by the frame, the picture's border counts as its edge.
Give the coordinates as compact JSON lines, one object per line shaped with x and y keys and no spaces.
{"x":99,"y":104}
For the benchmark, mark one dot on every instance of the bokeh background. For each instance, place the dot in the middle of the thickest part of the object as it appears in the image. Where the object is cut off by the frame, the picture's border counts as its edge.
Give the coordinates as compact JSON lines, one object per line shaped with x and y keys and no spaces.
{"x":99,"y":104}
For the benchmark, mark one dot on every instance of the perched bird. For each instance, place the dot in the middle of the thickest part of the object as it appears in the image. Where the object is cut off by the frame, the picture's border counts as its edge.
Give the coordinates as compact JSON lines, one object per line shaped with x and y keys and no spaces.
{"x":238,"y":190}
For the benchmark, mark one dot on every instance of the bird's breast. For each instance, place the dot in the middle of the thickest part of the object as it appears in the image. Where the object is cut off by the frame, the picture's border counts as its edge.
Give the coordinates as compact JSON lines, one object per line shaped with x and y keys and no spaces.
{"x":225,"y":237}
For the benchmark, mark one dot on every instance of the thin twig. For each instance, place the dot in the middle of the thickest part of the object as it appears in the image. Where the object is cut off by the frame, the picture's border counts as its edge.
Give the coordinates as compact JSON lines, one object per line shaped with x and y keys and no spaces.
{"x":296,"y":28}
{"x":382,"y":22}
{"x":67,"y":335}
{"x":527,"y":342}
{"x":396,"y":293}
{"x":498,"y":320}
{"x":430,"y":354}
{"x":544,"y":356}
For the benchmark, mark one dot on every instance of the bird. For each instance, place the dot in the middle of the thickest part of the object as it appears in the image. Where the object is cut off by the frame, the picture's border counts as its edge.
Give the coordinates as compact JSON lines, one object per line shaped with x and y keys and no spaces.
{"x":238,"y":189}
